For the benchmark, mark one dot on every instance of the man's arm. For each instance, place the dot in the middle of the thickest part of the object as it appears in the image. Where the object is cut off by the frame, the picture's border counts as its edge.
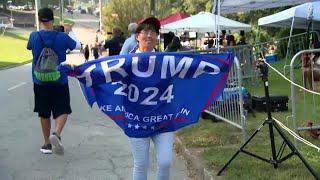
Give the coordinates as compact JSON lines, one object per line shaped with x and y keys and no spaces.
{"x":125,"y":48}
{"x":105,"y":46}
{"x":30,"y":41}
{"x":72,"y":35}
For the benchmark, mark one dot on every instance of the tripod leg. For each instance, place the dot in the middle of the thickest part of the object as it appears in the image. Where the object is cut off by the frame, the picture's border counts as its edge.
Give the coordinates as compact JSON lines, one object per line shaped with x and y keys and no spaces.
{"x":295,"y":150}
{"x":273,"y":146}
{"x":241,"y":148}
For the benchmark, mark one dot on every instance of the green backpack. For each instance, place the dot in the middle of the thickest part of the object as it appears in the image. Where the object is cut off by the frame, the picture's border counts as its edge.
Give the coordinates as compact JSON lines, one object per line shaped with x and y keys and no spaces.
{"x":48,"y":61}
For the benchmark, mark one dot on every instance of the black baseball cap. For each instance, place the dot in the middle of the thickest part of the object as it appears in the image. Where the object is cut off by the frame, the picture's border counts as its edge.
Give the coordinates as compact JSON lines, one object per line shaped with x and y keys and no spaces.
{"x":45,"y":14}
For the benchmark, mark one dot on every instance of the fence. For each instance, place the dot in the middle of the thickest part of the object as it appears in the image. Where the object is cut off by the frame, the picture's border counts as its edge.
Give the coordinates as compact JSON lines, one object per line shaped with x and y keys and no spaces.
{"x":287,"y":47}
{"x":309,"y":107}
{"x":230,"y":106}
{"x":231,"y":109}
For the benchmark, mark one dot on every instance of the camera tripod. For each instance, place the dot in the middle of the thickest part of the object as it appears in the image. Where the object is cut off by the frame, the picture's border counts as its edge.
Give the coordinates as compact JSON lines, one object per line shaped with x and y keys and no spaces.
{"x":276,"y":156}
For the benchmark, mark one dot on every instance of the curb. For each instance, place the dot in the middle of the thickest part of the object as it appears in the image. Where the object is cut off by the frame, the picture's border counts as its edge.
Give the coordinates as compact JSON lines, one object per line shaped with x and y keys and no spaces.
{"x":195,"y":166}
{"x":15,"y":65}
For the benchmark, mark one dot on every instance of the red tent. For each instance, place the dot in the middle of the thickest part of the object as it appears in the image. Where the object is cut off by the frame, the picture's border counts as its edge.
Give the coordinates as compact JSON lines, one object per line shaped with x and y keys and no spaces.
{"x":173,"y":17}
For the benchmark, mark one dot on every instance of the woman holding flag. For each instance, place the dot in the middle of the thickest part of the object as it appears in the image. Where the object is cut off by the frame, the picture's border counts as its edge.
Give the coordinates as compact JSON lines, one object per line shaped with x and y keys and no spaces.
{"x":145,"y":93}
{"x":146,"y":34}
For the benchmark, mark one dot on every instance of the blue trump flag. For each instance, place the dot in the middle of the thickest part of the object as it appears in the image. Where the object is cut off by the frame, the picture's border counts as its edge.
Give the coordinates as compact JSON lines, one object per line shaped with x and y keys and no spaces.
{"x":151,"y":93}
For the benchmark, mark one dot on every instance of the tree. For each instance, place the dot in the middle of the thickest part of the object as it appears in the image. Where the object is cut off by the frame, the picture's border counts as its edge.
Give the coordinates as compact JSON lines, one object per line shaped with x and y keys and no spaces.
{"x":121,"y":12}
{"x":195,"y":6}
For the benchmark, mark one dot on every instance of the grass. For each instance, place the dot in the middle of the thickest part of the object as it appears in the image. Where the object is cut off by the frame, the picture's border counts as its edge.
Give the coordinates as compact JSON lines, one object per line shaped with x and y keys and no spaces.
{"x":65,"y":20}
{"x":219,"y":141}
{"x":13,"y":49}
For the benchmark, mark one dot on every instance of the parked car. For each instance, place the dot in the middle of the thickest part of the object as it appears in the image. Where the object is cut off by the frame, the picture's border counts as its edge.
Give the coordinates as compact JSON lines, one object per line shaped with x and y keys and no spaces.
{"x":26,"y":7}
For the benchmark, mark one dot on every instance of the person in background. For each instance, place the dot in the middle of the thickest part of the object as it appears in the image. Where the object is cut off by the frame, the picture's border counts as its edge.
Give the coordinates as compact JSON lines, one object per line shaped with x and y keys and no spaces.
{"x":147,"y":36}
{"x":242,"y":40}
{"x":86,"y":53}
{"x":115,"y":43}
{"x":131,"y":42}
{"x":315,"y":71}
{"x":95,"y":51}
{"x":222,"y":38}
{"x":174,"y":45}
{"x":231,"y":40}
{"x":90,"y":48}
{"x":51,"y":99}
{"x":81,"y":48}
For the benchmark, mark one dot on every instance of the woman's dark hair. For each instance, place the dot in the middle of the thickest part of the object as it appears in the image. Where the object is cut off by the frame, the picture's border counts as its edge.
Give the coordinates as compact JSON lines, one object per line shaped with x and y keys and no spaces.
{"x":147,"y":26}
{"x":230,"y":39}
{"x":241,"y":33}
{"x":175,"y":44}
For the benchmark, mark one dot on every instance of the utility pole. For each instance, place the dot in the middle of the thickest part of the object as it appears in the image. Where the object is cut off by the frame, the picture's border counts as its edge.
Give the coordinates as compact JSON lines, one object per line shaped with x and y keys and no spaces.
{"x":152,"y":7}
{"x":100,"y":15}
{"x":37,"y":3}
{"x":61,"y":11}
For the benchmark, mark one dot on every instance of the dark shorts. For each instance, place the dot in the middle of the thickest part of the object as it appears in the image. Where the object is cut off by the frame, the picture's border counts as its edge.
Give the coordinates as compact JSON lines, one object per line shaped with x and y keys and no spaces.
{"x":51,"y":99}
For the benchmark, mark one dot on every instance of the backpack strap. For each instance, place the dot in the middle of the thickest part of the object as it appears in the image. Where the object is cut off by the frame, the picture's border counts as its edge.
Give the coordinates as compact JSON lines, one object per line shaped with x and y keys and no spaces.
{"x":41,"y":40}
{"x":54,"y":39}
{"x":134,"y":50}
{"x":52,"y":42}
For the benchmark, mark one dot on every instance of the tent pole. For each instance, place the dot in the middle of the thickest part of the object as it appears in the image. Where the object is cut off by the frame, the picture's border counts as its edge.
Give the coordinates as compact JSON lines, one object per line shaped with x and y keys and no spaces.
{"x":257,"y":43}
{"x":289,"y":42}
{"x":218,"y":26}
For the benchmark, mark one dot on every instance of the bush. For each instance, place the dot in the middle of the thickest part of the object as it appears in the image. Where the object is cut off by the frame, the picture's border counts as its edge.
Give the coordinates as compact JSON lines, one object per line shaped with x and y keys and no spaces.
{"x":91,"y":9}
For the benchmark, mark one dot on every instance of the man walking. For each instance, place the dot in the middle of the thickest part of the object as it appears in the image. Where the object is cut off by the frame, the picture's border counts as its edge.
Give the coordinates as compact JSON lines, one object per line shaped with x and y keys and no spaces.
{"x":51,"y":98}
{"x":115,"y":43}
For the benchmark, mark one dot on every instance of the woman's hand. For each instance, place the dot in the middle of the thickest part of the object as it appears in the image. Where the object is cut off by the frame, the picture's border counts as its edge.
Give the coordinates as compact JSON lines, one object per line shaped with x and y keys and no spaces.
{"x":69,"y":64}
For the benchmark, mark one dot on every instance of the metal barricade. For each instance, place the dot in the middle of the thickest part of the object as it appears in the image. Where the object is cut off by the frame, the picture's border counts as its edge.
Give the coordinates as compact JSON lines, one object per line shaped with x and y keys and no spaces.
{"x":230,"y":106}
{"x":307,"y":111}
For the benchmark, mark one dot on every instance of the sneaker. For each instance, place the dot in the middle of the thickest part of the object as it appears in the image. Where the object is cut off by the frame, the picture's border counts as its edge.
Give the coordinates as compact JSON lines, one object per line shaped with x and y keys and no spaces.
{"x":46,"y":149}
{"x":57,"y":147}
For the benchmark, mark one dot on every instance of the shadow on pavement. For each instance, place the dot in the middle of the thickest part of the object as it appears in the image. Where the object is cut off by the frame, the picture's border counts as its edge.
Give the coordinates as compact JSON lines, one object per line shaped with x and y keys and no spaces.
{"x":5,"y":65}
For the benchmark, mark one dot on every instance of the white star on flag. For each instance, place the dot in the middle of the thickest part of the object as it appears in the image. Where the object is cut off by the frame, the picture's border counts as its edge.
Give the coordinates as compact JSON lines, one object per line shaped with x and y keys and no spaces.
{"x":129,"y":125}
{"x":144,"y":127}
{"x":152,"y":127}
{"x":137,"y":126}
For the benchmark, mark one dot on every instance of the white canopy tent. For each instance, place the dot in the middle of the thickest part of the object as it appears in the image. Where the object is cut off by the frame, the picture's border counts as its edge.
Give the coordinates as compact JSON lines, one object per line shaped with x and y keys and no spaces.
{"x":298,"y":17}
{"x":204,"y":22}
{"x":295,"y":17}
{"x":232,"y":6}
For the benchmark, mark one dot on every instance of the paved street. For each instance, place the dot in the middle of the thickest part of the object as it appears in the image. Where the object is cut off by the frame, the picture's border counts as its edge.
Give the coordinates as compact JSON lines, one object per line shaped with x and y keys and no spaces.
{"x":95,"y":148}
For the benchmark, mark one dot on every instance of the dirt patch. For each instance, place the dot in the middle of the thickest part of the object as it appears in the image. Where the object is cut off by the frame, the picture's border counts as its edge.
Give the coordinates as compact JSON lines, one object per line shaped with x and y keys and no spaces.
{"x":196,"y":165}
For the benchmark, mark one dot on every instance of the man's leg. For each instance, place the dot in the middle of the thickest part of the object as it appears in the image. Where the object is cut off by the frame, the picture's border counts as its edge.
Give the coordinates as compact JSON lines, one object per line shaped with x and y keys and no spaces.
{"x":42,"y":107}
{"x":55,"y":138}
{"x":60,"y":122}
{"x":46,"y":126}
{"x":60,"y":111}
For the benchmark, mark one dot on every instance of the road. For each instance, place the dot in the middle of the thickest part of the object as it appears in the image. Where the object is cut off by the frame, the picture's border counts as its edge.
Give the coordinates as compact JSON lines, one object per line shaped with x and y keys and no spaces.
{"x":95,"y":148}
